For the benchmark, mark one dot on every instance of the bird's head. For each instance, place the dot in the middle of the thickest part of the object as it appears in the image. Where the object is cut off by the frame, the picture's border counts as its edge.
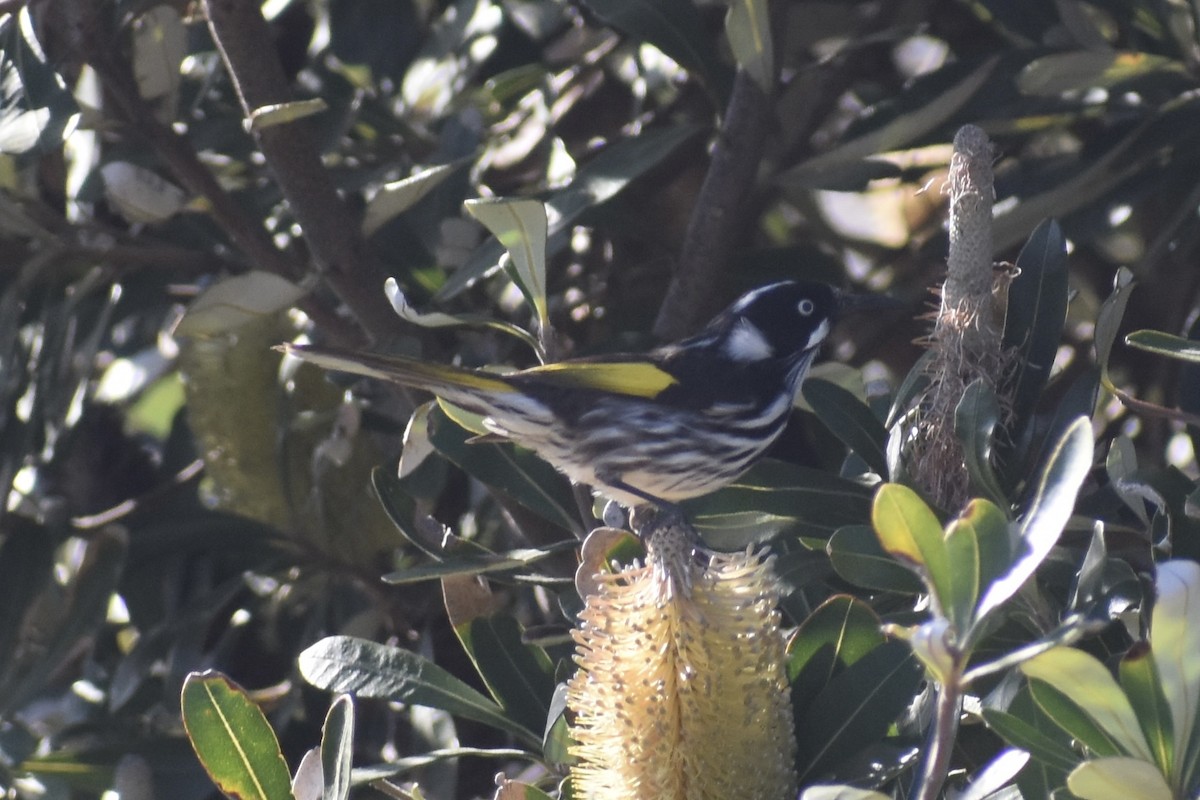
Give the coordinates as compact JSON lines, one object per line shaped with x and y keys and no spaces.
{"x":779,"y":321}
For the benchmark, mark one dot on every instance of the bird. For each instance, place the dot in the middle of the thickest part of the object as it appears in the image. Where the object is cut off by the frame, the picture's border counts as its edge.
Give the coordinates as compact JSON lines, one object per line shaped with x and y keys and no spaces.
{"x":648,"y":429}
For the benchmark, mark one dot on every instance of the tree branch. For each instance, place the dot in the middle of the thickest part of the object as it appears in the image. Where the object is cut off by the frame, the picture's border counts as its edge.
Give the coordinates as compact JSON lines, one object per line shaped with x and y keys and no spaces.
{"x":717,"y":216}
{"x":331,"y":231}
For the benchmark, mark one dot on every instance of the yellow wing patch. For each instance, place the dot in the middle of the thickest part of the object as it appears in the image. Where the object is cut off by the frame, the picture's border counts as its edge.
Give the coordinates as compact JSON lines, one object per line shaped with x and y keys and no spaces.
{"x":633,"y":378}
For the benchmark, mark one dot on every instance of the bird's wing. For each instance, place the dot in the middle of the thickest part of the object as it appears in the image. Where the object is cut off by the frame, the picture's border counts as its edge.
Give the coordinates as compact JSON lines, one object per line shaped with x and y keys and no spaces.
{"x":634,"y":378}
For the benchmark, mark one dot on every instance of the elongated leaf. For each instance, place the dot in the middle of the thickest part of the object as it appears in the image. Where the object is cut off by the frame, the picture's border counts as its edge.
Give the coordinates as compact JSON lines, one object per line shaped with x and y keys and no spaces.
{"x":519,"y":676}
{"x":473,"y":563}
{"x":368,"y":669}
{"x":817,"y":503}
{"x":1072,"y":718}
{"x":517,"y":473}
{"x":1165,"y":344}
{"x":521,"y":226}
{"x":849,"y":420}
{"x":596,"y":182}
{"x":1050,"y":508}
{"x":1175,"y":640}
{"x":673,"y":26}
{"x":396,"y":197}
{"x":748,"y":26}
{"x":337,"y":749}
{"x":846,"y":623}
{"x":1020,"y":733}
{"x":975,"y":420}
{"x":962,"y":552}
{"x":909,"y":531}
{"x":857,"y":707}
{"x":841,"y":793}
{"x":894,"y":134}
{"x":1036,"y":313}
{"x":1143,"y":686}
{"x":993,"y":537}
{"x":1126,"y":778}
{"x":1087,"y":683}
{"x":858,"y":557}
{"x":1063,"y":72}
{"x":232,"y":739}
{"x":989,"y":781}
{"x":1108,"y":321}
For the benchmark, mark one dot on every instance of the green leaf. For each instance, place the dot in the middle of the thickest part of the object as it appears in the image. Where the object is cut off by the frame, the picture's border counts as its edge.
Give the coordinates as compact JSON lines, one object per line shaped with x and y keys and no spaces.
{"x":1143,"y":686}
{"x":394,"y":198}
{"x":233,"y":739}
{"x":1073,"y":719}
{"x":909,"y":531}
{"x":337,"y":748}
{"x":962,"y":551}
{"x":1124,"y":778}
{"x":519,"y":676}
{"x":1022,"y":734}
{"x":1088,"y":69}
{"x":1086,"y":683}
{"x":1175,"y":642}
{"x":368,"y":669}
{"x":521,"y":227}
{"x":815,"y":502}
{"x":1051,"y":507}
{"x":748,"y":26}
{"x":1121,"y":466}
{"x":1108,"y":321}
{"x":994,"y":535}
{"x":1036,"y":313}
{"x":857,"y":557}
{"x":1165,"y":344}
{"x":975,"y":420}
{"x":846,"y":624}
{"x":473,"y":563}
{"x":517,"y":473}
{"x":857,"y":708}
{"x":849,"y":420}
{"x":595,"y":183}
{"x":673,"y":26}
{"x":893,"y":135}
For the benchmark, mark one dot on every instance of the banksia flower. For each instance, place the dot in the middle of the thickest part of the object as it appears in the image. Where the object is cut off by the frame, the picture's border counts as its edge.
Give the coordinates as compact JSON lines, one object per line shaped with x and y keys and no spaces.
{"x":966,"y":340}
{"x":682,"y":691}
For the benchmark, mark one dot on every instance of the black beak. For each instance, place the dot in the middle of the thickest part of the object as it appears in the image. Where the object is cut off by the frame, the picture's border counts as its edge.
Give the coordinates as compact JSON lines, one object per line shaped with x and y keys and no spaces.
{"x":852,"y":303}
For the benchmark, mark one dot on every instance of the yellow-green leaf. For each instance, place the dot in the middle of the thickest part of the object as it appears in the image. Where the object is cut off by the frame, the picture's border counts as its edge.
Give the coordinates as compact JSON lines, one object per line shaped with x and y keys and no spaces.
{"x":908,"y":529}
{"x":233,"y":740}
{"x":521,"y":226}
{"x":1123,"y":778}
{"x":1088,"y":684}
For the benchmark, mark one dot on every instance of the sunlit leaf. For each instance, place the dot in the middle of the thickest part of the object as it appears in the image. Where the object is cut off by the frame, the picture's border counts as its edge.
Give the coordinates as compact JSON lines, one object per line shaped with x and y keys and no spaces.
{"x":367,"y":669}
{"x":521,"y":227}
{"x":232,"y":739}
{"x":909,"y":531}
{"x":1143,"y":686}
{"x":1035,"y":315}
{"x":1175,"y":641}
{"x":1126,"y":778}
{"x":748,"y":26}
{"x":337,"y":748}
{"x":1063,"y":72}
{"x":1087,"y":683}
{"x":1165,"y":344}
{"x":1051,"y":507}
{"x":396,"y":197}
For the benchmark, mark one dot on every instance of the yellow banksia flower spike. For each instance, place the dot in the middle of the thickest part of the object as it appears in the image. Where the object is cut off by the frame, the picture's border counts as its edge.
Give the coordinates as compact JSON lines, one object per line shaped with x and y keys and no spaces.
{"x":682,"y":690}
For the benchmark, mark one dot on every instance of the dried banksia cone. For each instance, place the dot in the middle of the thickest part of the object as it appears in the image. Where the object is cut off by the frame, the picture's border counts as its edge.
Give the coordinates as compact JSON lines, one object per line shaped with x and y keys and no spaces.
{"x":967,"y":339}
{"x":682,"y":692}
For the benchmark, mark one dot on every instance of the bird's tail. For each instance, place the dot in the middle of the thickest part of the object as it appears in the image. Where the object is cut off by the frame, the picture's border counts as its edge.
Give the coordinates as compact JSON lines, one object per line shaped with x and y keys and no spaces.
{"x":451,"y":383}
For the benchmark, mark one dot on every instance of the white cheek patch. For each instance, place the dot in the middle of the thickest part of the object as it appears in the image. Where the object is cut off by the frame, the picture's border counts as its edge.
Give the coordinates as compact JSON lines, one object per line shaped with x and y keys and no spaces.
{"x":818,"y":335}
{"x":746,"y":343}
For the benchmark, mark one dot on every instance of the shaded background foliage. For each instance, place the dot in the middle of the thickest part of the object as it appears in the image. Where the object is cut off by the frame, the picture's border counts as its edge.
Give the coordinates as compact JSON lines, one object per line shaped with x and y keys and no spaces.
{"x":166,"y":510}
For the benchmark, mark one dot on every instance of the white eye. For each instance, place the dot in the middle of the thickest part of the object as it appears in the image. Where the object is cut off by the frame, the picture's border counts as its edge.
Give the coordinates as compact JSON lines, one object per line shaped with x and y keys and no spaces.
{"x":806,"y":307}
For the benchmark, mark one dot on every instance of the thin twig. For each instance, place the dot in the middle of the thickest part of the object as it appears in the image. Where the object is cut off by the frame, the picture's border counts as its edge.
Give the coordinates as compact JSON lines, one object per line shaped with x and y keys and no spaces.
{"x":942,"y":736}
